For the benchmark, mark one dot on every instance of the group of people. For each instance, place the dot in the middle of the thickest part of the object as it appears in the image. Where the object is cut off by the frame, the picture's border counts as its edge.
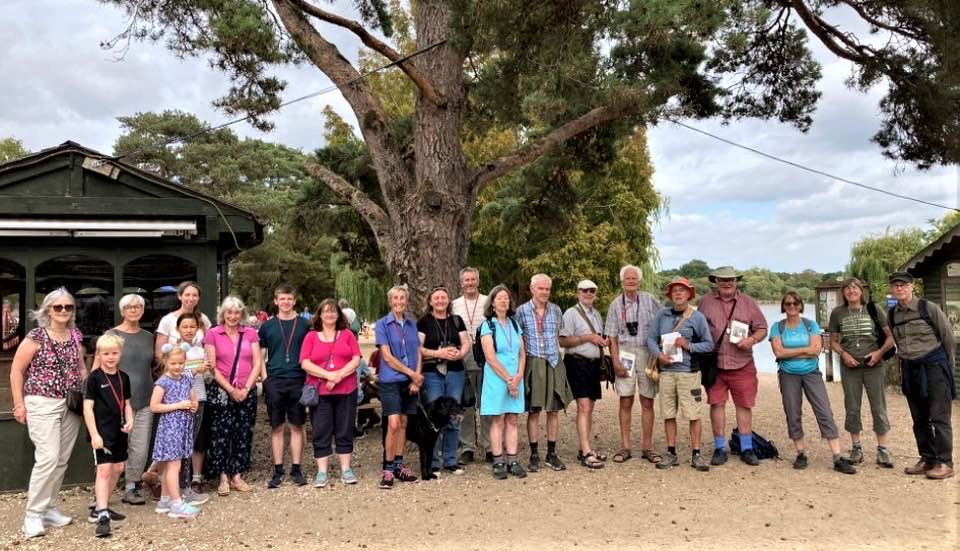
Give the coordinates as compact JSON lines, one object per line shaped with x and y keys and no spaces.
{"x":534,"y":358}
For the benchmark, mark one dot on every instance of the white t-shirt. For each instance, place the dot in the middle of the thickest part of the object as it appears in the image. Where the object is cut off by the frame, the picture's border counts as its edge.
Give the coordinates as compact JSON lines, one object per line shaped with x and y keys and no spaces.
{"x":168,"y":327}
{"x":471,"y":312}
{"x":350,"y":314}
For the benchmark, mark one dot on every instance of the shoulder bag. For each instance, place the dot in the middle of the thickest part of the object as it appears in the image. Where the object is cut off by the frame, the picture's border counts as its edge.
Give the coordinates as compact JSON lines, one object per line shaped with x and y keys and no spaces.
{"x":220,"y":396}
{"x":607,"y":374}
{"x":652,"y":368}
{"x":706,"y":362}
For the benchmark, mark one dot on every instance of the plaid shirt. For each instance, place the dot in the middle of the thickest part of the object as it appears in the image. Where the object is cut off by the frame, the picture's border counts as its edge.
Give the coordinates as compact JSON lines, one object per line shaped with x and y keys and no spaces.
{"x":541,"y":339}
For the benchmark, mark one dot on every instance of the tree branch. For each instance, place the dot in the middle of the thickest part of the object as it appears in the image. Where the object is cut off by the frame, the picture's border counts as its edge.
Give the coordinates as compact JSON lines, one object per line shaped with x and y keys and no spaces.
{"x":371,"y":212}
{"x":862,"y":12}
{"x":828,"y":34}
{"x":423,"y":84}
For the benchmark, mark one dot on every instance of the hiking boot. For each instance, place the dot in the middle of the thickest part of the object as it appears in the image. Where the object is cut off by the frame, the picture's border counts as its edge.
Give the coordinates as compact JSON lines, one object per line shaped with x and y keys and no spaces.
{"x":940,"y":472}
{"x":466,"y":457}
{"x":114,"y":516}
{"x":720,"y":456}
{"x":800,"y":462}
{"x":698,"y":463}
{"x":842,"y":465}
{"x":883,"y":458}
{"x":920,"y":468}
{"x":276,"y":480}
{"x":500,"y":471}
{"x":856,"y":455}
{"x":103,"y":527}
{"x":668,"y":460}
{"x":517,"y":470}
{"x":298,"y":478}
{"x":403,"y":473}
{"x":749,"y":457}
{"x":553,"y":461}
{"x":134,"y":496}
{"x":534,"y":465}
{"x":387,"y":481}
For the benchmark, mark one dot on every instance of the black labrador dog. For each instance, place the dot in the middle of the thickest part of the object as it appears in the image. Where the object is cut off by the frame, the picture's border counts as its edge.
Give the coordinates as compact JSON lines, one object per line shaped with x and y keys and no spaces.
{"x":424,"y":428}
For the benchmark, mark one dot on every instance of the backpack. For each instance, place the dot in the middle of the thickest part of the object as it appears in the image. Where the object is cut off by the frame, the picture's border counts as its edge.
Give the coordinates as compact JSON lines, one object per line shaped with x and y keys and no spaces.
{"x":924,"y":315}
{"x":782,"y":324}
{"x":356,"y":326}
{"x":881,"y":336}
{"x":765,"y":449}
{"x":478,"y":356}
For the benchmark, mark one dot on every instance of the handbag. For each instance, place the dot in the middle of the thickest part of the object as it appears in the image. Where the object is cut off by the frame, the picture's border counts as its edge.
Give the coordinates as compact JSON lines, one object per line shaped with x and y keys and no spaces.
{"x":469,"y":397}
{"x":652,"y":369}
{"x":706,"y":362}
{"x":309,"y":397}
{"x":607,"y":374}
{"x":75,"y":401}
{"x":220,"y":396}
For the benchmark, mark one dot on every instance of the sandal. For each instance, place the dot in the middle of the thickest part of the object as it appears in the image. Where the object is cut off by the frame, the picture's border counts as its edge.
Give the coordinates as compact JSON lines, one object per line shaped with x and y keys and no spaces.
{"x":651,"y":456}
{"x":596,"y":453}
{"x":622,"y":455}
{"x":591,"y":461}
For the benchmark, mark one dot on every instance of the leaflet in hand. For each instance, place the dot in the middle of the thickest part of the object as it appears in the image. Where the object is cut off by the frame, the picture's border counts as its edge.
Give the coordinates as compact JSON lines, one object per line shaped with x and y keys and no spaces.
{"x":670,"y":347}
{"x":738,"y":331}
{"x":627,"y":360}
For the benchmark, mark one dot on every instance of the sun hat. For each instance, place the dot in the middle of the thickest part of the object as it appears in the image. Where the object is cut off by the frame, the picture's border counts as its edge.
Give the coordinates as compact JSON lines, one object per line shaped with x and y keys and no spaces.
{"x":586,"y":284}
{"x":724,"y":272}
{"x":682,"y":281}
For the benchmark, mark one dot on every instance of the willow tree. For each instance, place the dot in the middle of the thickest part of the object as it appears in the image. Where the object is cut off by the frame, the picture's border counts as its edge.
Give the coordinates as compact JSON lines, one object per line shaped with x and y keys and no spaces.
{"x":549,"y":71}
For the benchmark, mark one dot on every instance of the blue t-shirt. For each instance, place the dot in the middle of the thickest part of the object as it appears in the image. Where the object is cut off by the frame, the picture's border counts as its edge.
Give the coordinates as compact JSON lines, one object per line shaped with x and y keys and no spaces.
{"x":404,"y":343}
{"x":796,"y":337}
{"x":282,"y":340}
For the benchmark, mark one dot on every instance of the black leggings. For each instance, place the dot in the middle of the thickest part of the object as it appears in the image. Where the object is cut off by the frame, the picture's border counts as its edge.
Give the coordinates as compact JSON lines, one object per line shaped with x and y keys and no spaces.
{"x":334,"y":416}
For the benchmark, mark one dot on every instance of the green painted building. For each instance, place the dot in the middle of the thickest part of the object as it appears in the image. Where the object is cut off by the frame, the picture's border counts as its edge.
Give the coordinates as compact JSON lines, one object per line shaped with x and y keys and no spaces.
{"x":73,"y":217}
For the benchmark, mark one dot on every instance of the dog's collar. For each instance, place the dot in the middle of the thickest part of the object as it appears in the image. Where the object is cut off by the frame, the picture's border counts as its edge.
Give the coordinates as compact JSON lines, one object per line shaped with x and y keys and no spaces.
{"x":426,"y":414}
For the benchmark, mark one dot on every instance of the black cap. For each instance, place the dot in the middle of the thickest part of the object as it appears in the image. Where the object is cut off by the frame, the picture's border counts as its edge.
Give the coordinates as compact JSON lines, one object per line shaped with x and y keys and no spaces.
{"x":900,"y":276}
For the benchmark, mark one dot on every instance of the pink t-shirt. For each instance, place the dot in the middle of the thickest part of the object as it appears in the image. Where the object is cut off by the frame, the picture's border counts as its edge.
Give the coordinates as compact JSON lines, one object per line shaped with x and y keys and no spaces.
{"x":226,"y":349}
{"x":331,"y":356}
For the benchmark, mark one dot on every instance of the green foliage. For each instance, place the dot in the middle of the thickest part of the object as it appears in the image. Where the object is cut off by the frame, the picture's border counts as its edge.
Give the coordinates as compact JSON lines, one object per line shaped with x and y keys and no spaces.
{"x":368,"y":296}
{"x":760,"y":283}
{"x":11,"y":148}
{"x":874,"y":257}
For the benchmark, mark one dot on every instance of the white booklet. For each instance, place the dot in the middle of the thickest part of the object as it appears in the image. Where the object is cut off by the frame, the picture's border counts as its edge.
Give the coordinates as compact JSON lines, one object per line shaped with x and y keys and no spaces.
{"x":627,"y":360}
{"x":670,"y":348}
{"x":738,"y":331}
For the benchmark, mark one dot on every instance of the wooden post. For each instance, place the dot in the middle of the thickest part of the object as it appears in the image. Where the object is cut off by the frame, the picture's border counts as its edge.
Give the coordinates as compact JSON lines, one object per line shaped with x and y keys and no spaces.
{"x":828,"y":367}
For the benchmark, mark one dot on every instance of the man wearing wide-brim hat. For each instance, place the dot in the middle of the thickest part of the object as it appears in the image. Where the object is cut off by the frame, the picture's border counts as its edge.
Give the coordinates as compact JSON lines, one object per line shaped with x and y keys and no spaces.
{"x":926,"y":347}
{"x":730,"y":314}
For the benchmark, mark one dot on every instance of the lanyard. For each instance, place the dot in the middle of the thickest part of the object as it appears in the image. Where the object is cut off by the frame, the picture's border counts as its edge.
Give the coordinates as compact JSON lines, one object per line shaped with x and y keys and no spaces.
{"x":118,"y":397}
{"x":331,"y":347}
{"x":443,"y":332}
{"x":287,"y":341}
{"x":401,"y":329}
{"x":471,"y":313}
{"x":540,"y":327}
{"x":624,"y":307}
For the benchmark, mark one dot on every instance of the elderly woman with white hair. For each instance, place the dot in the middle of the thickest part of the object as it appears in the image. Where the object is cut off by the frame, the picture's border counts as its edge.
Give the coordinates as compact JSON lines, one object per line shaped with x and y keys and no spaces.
{"x":46,"y":380}
{"x":232,"y":399}
{"x":137,"y":363}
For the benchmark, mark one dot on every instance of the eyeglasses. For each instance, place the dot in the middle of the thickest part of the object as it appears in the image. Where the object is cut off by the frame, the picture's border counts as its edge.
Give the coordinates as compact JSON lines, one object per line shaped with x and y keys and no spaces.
{"x":791,"y":303}
{"x":900,"y":285}
{"x":62,"y":308}
{"x":588,"y":291}
{"x":133,"y":307}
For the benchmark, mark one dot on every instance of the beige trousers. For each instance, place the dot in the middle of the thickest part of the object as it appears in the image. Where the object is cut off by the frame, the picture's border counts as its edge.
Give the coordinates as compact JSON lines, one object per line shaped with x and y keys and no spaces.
{"x":53,"y":431}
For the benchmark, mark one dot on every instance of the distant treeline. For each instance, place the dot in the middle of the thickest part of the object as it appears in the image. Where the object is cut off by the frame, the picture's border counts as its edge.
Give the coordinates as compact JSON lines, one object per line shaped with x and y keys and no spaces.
{"x":762,"y":284}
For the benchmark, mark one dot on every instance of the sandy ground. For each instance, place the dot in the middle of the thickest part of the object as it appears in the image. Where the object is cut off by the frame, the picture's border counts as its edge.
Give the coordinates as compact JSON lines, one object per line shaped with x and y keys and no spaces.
{"x":623,"y":506}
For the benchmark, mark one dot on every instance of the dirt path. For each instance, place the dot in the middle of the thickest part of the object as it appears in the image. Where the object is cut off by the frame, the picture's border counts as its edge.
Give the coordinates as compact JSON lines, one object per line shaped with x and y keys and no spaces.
{"x":628,"y":506}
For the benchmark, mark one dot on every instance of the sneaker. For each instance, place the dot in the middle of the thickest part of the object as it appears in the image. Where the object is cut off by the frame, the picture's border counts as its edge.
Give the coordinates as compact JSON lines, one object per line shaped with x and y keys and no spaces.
{"x":466,"y":457}
{"x":163,"y":506}
{"x":276,"y":480}
{"x":720,"y":456}
{"x":403,"y":473}
{"x":800,"y":462}
{"x":387,"y":481}
{"x":749,"y":457}
{"x":54,"y":517}
{"x":298,"y":478}
{"x":553,"y":461}
{"x":183,"y":510}
{"x":517,"y":470}
{"x":668,"y":460}
{"x":856,"y":455}
{"x":698,"y":463}
{"x":534,"y":465}
{"x":193,"y":498}
{"x":842,"y":465}
{"x":349,"y":477}
{"x":33,"y":527}
{"x":455,"y":469}
{"x":500,"y":471}
{"x":134,"y":496}
{"x":114,"y":516}
{"x":321,"y":480}
{"x":103,"y":527}
{"x":883,"y":458}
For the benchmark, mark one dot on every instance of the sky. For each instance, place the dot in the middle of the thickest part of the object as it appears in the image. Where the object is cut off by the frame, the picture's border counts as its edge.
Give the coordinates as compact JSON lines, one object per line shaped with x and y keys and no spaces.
{"x":726,"y":206}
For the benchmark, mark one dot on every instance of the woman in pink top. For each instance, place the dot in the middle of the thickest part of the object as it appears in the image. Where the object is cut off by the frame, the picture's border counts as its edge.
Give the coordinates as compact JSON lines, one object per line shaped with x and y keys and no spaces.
{"x":330,"y":356}
{"x":232,"y":399}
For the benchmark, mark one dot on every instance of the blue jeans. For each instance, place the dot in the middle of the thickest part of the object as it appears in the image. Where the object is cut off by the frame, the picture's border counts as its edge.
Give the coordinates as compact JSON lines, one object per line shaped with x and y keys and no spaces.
{"x":436,"y":385}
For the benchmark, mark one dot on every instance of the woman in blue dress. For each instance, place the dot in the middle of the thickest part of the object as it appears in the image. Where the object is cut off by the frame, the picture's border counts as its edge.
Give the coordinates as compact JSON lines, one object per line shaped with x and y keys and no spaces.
{"x":501,"y":396}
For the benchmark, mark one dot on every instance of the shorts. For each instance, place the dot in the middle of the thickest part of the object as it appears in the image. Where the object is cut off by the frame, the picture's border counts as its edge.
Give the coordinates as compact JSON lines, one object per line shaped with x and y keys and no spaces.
{"x":395,"y":399}
{"x":583,"y":374}
{"x":681,"y":392}
{"x":282,"y":397}
{"x":626,"y":387}
{"x":118,"y":449}
{"x":741,"y":384}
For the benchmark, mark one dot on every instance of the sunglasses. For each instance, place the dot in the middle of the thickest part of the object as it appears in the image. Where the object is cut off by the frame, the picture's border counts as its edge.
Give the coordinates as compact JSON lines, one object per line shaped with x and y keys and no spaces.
{"x":588,"y":291}
{"x":62,"y":308}
{"x":791,"y":303}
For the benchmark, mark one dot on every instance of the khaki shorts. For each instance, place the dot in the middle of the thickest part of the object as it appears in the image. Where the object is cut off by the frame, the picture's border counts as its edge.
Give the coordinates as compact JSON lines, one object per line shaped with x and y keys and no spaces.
{"x":626,"y":387}
{"x":682,"y":391}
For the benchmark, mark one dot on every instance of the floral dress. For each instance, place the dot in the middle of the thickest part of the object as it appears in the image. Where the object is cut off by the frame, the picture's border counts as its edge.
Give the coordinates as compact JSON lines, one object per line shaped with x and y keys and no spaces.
{"x":55,"y":367}
{"x":174,"y":438}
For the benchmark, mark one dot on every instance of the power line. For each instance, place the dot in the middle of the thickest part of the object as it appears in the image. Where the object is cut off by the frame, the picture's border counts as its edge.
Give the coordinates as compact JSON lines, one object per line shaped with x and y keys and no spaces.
{"x":311,"y":95}
{"x":809,"y":169}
